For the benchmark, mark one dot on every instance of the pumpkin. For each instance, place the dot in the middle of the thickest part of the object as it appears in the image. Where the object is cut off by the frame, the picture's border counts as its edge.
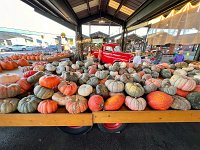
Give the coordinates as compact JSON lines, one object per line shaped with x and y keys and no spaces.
{"x":166,"y":73}
{"x":50,"y":81}
{"x":188,"y":69}
{"x":131,"y":70}
{"x":134,"y":89}
{"x":79,"y":63}
{"x":7,"y":65}
{"x":114,"y":86}
{"x":180,"y":72}
{"x":8,"y":105}
{"x":172,"y":66}
{"x":167,"y":87}
{"x":39,"y":68}
{"x":85,"y":90}
{"x":101,"y":74}
{"x":47,"y":106}
{"x":24,"y":85}
{"x":141,"y":73}
{"x":159,"y":100}
{"x":28,"y":104}
{"x":129,"y":65}
{"x":88,"y":63}
{"x":147,"y":70}
{"x":23,"y":62}
{"x":9,"y":78}
{"x":96,"y":103}
{"x":102,"y":90}
{"x":181,"y":93}
{"x":157,"y":82}
{"x":126,"y":78}
{"x":122,"y":71}
{"x":92,"y":70}
{"x":83,"y":78}
{"x":76,"y":104}
{"x":135,"y":103}
{"x":197,"y":89}
{"x":122,"y":65}
{"x":182,"y":82}
{"x":55,"y":63}
{"x":29,"y":73}
{"x":150,"y":88}
{"x":93,"y":81}
{"x":50,"y":67}
{"x":181,"y":65}
{"x":155,"y":68}
{"x":67,"y":88}
{"x":113,"y":73}
{"x":194,"y":99}
{"x":70,"y":76}
{"x":136,"y":77}
{"x":42,"y":92}
{"x":101,"y":67}
{"x":113,"y":94}
{"x":146,"y":76}
{"x":11,"y":90}
{"x":180,"y":103}
{"x":114,"y":102}
{"x":75,"y":66}
{"x":60,"y":69}
{"x":59,"y":98}
{"x":154,"y":74}
{"x":35,"y":78}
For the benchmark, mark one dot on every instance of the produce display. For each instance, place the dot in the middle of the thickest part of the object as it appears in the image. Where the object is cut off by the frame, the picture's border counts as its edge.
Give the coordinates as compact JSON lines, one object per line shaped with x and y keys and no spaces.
{"x":88,"y":86}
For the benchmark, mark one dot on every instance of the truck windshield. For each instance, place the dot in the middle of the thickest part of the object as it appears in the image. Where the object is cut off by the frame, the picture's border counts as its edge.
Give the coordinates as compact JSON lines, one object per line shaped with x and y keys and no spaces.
{"x":117,"y":49}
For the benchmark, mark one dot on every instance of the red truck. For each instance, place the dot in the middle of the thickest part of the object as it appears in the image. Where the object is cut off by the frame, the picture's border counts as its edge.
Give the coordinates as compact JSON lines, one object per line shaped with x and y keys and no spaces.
{"x":110,"y":53}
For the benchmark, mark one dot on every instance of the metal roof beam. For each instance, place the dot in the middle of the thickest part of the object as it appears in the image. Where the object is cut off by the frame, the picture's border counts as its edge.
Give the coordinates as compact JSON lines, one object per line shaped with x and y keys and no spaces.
{"x":89,"y":18}
{"x":88,"y":7}
{"x":119,"y":7}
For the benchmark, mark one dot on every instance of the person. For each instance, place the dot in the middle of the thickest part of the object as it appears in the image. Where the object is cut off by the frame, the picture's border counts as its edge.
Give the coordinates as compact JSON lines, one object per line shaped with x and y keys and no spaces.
{"x":158,"y":56}
{"x":137,"y":59}
{"x":179,"y":57}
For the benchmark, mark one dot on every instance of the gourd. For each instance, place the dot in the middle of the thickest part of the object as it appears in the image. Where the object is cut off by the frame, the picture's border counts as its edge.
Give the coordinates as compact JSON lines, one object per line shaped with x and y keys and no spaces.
{"x":102,"y":90}
{"x":147,"y":70}
{"x":122,"y":65}
{"x":35,"y":78}
{"x":8,"y":105}
{"x":101,"y":74}
{"x":126,"y":78}
{"x":113,"y":73}
{"x":28,"y":104}
{"x":42,"y":92}
{"x":167,"y":87}
{"x":11,"y":90}
{"x":96,"y":103}
{"x":76,"y":104}
{"x":59,"y":98}
{"x":150,"y":88}
{"x":29,"y":73}
{"x":47,"y":106}
{"x":159,"y":100}
{"x":155,"y":68}
{"x":84,"y":78}
{"x":157,"y":82}
{"x":75,"y":66}
{"x":50,"y":67}
{"x":85,"y":90}
{"x":9,"y":78}
{"x":194,"y":99}
{"x":146,"y":76}
{"x":134,"y":89}
{"x":24,"y":85}
{"x":50,"y":81}
{"x":70,"y":76}
{"x":122,"y":71}
{"x":114,"y":86}
{"x":135,"y":103}
{"x":60,"y":69}
{"x":180,"y":103}
{"x":166,"y":73}
{"x":114,"y":102}
{"x":67,"y":88}
{"x":154,"y":74}
{"x":93,"y":81}
{"x":180,"y":72}
{"x":181,"y":65}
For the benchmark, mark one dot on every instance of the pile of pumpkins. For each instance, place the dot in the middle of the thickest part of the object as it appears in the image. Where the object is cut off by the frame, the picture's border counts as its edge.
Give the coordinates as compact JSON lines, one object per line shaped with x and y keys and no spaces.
{"x":88,"y":85}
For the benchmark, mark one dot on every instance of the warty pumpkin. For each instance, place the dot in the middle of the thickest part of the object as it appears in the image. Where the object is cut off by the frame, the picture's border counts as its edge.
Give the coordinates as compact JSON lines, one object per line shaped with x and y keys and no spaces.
{"x":180,"y":103}
{"x":8,"y":105}
{"x":135,"y":103}
{"x":49,"y":81}
{"x":96,"y":103}
{"x":114,"y":86}
{"x":67,"y":88}
{"x":47,"y":106}
{"x":85,"y":90}
{"x":114,"y":102}
{"x":134,"y":89}
{"x":42,"y":92}
{"x":11,"y":90}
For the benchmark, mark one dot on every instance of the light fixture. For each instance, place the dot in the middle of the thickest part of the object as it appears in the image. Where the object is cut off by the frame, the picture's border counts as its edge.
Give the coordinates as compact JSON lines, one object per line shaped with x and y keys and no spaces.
{"x":101,"y":21}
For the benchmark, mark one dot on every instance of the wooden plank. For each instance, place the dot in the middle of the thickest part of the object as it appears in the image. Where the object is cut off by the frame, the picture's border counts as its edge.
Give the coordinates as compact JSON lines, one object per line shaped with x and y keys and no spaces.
{"x":150,"y":116}
{"x":56,"y":119}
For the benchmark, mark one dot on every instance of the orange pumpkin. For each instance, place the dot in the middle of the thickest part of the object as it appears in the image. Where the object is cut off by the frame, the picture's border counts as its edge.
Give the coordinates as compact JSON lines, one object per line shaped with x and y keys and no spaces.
{"x":15,"y":65}
{"x":129,"y":65}
{"x":47,"y":106}
{"x":197,"y":89}
{"x":23,"y":62}
{"x":181,"y":92}
{"x":7,"y":65}
{"x":141,"y":73}
{"x":49,"y":81}
{"x":103,"y":81}
{"x":24,"y":84}
{"x":1,"y":69}
{"x":67,"y":88}
{"x":114,"y":102}
{"x":96,"y":103}
{"x":159,"y":100}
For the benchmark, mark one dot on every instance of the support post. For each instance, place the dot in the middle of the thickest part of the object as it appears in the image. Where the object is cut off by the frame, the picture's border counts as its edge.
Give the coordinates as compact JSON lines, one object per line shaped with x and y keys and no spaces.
{"x":123,"y":33}
{"x":197,"y":54}
{"x":79,"y":47}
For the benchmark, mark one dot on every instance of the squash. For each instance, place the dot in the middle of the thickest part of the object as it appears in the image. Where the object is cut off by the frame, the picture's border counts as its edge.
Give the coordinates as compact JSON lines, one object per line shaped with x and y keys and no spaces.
{"x":125,"y":78}
{"x":181,"y":65}
{"x":96,"y":103}
{"x":79,"y":63}
{"x":107,"y":65}
{"x":172,"y":66}
{"x":101,"y":74}
{"x":166,"y":73}
{"x":113,"y":94}
{"x":85,"y":90}
{"x":88,"y":63}
{"x":102,"y":90}
{"x":155,"y":68}
{"x":114,"y":102}
{"x":67,"y":88}
{"x":113,"y":73}
{"x":147,"y":70}
{"x":35,"y":78}
{"x":159,"y":100}
{"x":11,"y":90}
{"x":180,"y":103}
{"x":76,"y":104}
{"x":9,"y":78}
{"x":146,"y":76}
{"x":24,"y":85}
{"x":155,"y":74}
{"x":188,"y":69}
{"x":75,"y":66}
{"x":180,"y":72}
{"x":28,"y":104}
{"x":114,"y":86}
{"x":7,"y":65}
{"x":29,"y":73}
{"x":182,"y":82}
{"x":101,"y":67}
{"x":181,"y":93}
{"x":150,"y":88}
{"x":115,"y":67}
{"x":55,"y":63}
{"x":70,"y":76}
{"x":59,"y":98}
{"x":47,"y":106}
{"x":8,"y":105}
{"x":197,"y":89}
{"x":23,"y":62}
{"x":42,"y":92}
{"x":136,"y":77}
{"x":60,"y":69}
{"x":122,"y":65}
{"x":131,"y":70}
{"x":135,"y":103}
{"x":122,"y":71}
{"x":167,"y":87}
{"x":39,"y":68}
{"x":83,"y":78}
{"x":50,"y":67}
{"x":157,"y":82}
{"x":49,"y":81}
{"x":194,"y":99}
{"x":93,"y":81}
{"x":134,"y":89}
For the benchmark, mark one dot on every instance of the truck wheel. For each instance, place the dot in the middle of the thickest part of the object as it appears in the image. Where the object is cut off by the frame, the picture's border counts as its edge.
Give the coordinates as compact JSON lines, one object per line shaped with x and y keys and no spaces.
{"x":112,"y":127}
{"x":76,"y":130}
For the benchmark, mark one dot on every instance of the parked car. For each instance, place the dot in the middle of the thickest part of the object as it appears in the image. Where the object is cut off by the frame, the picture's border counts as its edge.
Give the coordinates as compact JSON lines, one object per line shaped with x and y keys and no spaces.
{"x":110,"y":53}
{"x":18,"y":48}
{"x":52,"y":48}
{"x":4,"y":49}
{"x":32,"y":48}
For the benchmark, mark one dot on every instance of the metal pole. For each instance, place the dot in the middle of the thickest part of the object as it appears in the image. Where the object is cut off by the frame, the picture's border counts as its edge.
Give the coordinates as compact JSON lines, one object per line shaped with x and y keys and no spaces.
{"x":123,"y":33}
{"x":197,"y":54}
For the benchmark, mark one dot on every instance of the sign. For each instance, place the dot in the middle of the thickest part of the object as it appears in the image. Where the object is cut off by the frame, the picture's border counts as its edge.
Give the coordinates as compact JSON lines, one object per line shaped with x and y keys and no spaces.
{"x":97,"y":41}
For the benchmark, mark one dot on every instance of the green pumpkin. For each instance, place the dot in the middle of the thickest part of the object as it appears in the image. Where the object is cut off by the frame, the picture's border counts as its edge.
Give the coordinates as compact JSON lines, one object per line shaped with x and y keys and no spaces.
{"x":115,"y":67}
{"x":131,"y":70}
{"x":84,"y":78}
{"x":147,"y":70}
{"x":150,"y":88}
{"x":134,"y":89}
{"x":165,"y":73}
{"x":194,"y":99}
{"x":167,"y":87}
{"x":8,"y":105}
{"x":172,"y":66}
{"x":136,"y":78}
{"x":28,"y":104}
{"x":35,"y":78}
{"x":70,"y":76}
{"x":126,"y":78}
{"x":42,"y":92}
{"x":155,"y":74}
{"x":180,"y":103}
{"x":93,"y":81}
{"x":122,"y":71}
{"x":102,"y":90}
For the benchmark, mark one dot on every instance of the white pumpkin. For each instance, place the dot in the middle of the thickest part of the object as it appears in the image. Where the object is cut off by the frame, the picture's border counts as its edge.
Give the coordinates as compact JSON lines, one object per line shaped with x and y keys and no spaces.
{"x":85,"y":90}
{"x":59,"y":98}
{"x":113,"y":73}
{"x":180,"y":72}
{"x":107,"y":65}
{"x":101,"y":74}
{"x":188,"y":68}
{"x":197,"y":76}
{"x":101,"y":67}
{"x":114,"y":86}
{"x":75,"y":66}
{"x":122,"y":65}
{"x":135,"y":103}
{"x":63,"y":63}
{"x":60,"y":69}
{"x":50,"y":67}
